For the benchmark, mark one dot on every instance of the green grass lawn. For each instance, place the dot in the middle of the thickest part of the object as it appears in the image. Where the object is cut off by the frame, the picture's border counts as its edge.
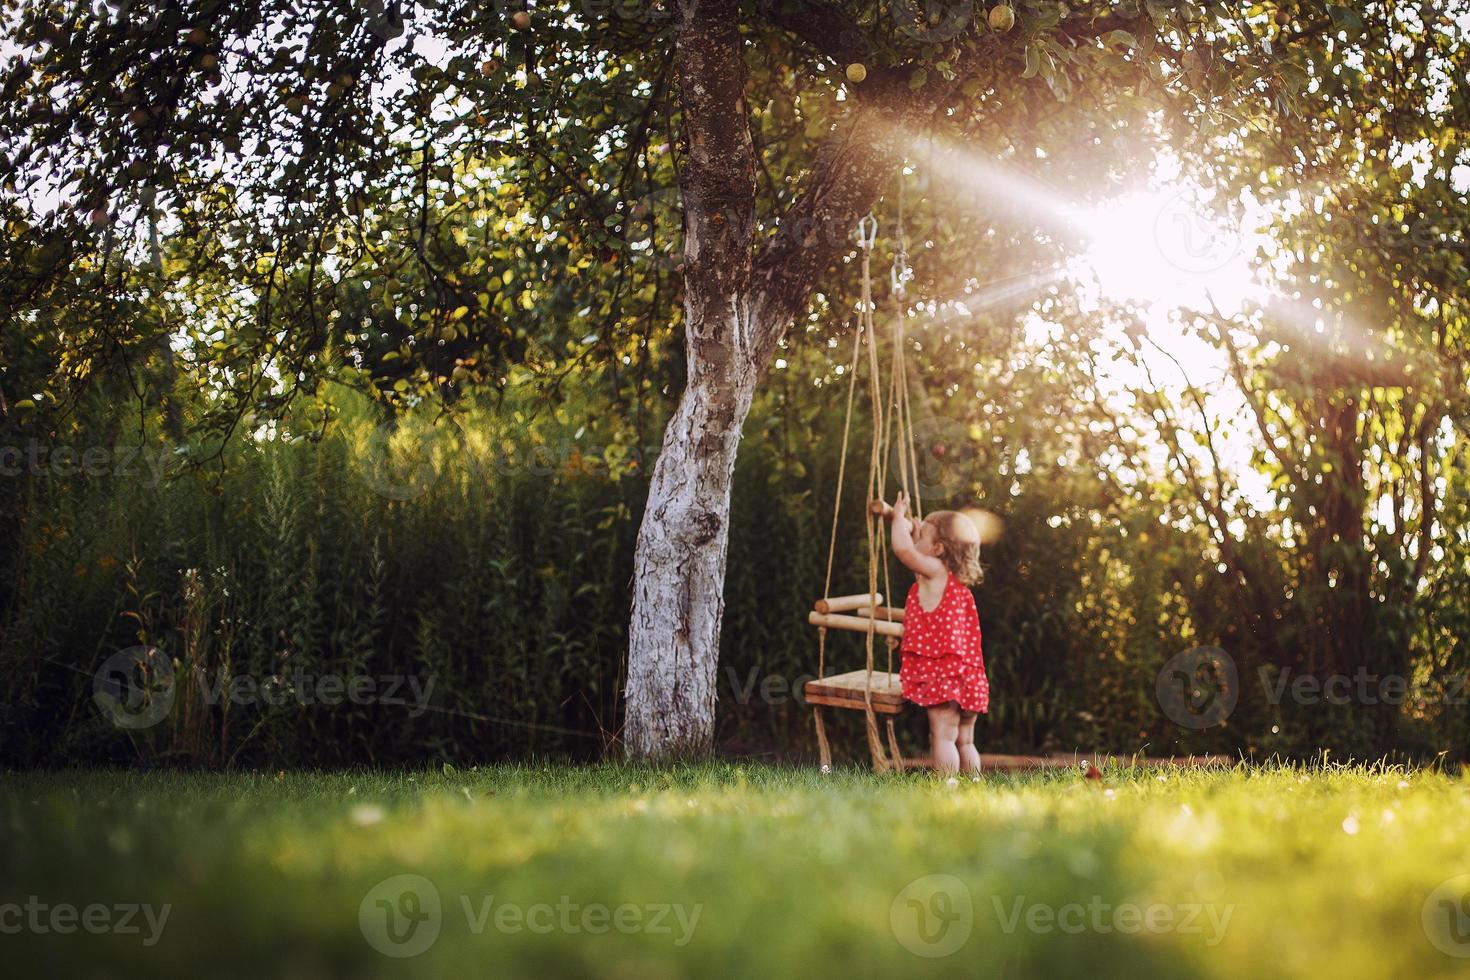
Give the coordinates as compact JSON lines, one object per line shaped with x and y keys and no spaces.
{"x":730,"y":870}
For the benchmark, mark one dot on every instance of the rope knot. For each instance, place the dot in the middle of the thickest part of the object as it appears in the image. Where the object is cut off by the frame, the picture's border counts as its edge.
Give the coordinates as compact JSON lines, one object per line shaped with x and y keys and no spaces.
{"x":900,"y":273}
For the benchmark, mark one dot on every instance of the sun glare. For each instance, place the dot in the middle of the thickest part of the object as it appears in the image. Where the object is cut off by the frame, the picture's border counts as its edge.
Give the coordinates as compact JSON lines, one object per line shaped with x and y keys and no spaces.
{"x":1162,"y":249}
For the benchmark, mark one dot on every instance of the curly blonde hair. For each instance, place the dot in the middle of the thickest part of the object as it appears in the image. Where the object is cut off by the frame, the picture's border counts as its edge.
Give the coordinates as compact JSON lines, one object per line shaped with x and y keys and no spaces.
{"x":959,"y":552}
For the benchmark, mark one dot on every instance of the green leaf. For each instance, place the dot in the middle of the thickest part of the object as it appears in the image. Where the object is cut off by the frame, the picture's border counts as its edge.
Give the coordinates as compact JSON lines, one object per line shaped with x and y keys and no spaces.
{"x":1345,"y":19}
{"x":917,"y":79}
{"x":1033,"y":62}
{"x":1293,"y":76}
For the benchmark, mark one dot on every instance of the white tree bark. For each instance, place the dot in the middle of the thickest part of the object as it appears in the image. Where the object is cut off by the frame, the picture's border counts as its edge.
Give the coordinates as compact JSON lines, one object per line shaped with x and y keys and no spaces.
{"x":679,"y":569}
{"x":679,"y":566}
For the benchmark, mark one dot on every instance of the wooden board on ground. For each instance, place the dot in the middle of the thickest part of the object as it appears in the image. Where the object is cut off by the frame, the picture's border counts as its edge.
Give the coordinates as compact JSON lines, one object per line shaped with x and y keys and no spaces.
{"x":990,"y":762}
{"x":846,"y":691}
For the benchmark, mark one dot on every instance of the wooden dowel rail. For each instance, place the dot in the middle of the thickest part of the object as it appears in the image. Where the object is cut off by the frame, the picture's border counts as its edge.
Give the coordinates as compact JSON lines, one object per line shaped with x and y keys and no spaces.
{"x":847,"y":603}
{"x":857,"y":624}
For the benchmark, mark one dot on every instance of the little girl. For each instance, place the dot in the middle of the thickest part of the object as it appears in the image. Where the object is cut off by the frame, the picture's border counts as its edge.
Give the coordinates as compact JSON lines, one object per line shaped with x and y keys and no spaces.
{"x":942,"y":668}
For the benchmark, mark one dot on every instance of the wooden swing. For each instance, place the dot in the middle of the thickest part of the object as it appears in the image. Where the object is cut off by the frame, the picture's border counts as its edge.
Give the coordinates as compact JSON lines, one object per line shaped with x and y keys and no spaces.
{"x":877,"y":692}
{"x":871,"y":691}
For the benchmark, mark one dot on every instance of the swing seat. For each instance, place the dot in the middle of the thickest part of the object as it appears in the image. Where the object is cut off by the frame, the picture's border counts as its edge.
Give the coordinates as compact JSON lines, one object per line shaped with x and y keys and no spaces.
{"x":859,"y":690}
{"x":846,"y":691}
{"x":855,"y":691}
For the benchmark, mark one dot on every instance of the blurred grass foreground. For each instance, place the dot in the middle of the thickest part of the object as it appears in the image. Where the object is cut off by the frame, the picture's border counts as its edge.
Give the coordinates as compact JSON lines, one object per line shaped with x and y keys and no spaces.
{"x":736,"y":870}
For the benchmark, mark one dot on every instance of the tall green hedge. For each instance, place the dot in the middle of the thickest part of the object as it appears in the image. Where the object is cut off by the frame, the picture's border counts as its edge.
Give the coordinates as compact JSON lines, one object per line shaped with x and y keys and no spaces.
{"x":489,"y":554}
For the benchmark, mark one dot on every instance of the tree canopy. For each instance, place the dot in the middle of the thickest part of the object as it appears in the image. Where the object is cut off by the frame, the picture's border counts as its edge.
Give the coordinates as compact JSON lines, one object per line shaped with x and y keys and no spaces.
{"x":434,"y":200}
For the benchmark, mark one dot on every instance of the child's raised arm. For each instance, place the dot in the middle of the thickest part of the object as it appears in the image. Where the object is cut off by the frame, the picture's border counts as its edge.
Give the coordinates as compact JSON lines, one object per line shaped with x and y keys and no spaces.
{"x":922,"y":565}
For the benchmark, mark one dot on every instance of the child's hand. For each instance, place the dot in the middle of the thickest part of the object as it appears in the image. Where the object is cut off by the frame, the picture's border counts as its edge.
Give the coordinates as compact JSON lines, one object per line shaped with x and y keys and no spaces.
{"x":900,"y":510}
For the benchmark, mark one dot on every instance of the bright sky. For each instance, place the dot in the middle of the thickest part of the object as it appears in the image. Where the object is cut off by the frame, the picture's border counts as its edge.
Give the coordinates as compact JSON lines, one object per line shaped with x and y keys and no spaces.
{"x":1162,"y":251}
{"x":1159,"y":248}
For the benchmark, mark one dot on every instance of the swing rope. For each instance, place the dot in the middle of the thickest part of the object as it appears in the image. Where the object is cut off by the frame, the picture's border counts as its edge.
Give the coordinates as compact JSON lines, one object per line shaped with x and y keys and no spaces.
{"x":873,"y":523}
{"x":898,"y":277}
{"x":879,"y":459}
{"x":857,"y":340}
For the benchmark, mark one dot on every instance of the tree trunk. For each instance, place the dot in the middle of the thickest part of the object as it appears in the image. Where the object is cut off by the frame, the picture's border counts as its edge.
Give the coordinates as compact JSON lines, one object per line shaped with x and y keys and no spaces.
{"x":679,"y":568}
{"x":736,"y":309}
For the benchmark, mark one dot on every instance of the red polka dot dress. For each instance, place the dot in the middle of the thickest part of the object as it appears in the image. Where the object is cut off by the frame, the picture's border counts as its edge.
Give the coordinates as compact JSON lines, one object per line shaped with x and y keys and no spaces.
{"x":941,"y":655}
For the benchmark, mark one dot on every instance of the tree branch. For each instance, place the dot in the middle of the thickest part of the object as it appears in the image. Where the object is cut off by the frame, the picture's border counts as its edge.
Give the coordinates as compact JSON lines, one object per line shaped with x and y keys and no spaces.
{"x":850,"y":171}
{"x":1079,"y":29}
{"x":717,"y":180}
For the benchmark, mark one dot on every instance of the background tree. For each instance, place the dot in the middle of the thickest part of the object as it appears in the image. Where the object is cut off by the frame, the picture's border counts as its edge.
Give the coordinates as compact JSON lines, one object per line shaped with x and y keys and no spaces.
{"x":1351,"y":380}
{"x":424,"y":201}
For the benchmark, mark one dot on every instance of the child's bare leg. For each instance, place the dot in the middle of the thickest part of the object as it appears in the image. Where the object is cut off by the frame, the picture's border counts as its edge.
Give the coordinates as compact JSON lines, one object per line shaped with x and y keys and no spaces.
{"x":965,"y":742}
{"x":944,"y":724}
